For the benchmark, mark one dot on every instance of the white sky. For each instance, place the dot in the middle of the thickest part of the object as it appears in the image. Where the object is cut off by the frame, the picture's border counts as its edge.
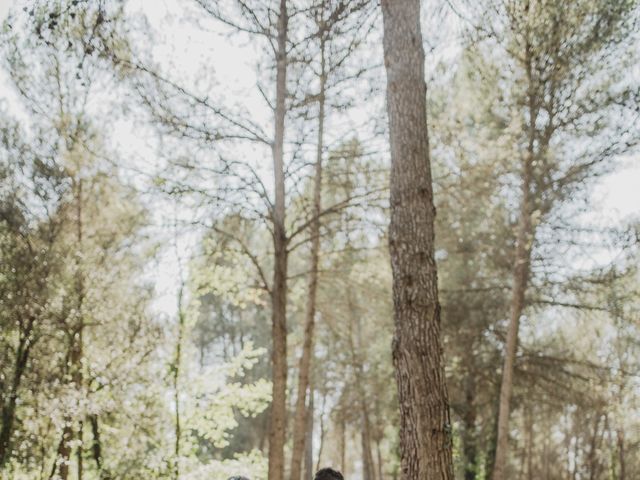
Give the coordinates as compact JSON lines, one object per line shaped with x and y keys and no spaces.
{"x":4,"y":9}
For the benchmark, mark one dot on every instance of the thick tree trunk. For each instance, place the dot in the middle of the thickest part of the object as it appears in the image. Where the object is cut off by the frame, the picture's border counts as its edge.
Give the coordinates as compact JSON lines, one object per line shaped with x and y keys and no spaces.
{"x":309,"y":325}
{"x":277,"y":426}
{"x":425,"y":426}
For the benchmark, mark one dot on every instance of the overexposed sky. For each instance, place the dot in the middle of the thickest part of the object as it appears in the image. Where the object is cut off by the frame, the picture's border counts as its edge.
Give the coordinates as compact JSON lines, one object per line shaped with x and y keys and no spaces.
{"x":4,"y":9}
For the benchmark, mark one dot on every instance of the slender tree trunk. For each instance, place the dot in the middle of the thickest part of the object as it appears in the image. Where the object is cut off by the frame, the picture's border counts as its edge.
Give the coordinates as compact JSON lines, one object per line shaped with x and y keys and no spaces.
{"x":75,"y":351}
{"x":365,"y":426}
{"x":63,"y":453}
{"x":529,"y":426}
{"x":96,"y":447}
{"x":9,"y":406}
{"x":425,"y":426}
{"x":8,"y":417}
{"x":277,"y":427}
{"x":308,"y":457}
{"x":469,"y":447}
{"x":490,"y":452}
{"x":380,"y":463}
{"x":621,"y":454}
{"x":343,"y":444}
{"x":307,"y":347}
{"x":177,"y":360}
{"x":521,"y":266}
{"x":323,"y":431}
{"x":365,"y":440}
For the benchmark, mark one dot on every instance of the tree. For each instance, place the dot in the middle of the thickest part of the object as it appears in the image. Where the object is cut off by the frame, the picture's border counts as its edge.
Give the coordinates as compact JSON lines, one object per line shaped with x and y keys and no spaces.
{"x":425,"y":426}
{"x":560,"y":93}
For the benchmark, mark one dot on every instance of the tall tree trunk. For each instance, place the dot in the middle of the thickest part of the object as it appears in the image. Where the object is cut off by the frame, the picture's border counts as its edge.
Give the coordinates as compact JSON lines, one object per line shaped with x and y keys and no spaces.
{"x":96,"y":447}
{"x":10,"y":404}
{"x":309,"y":325}
{"x":425,"y":426}
{"x":75,"y":349}
{"x":469,"y":446}
{"x":365,"y":440}
{"x":308,"y":457}
{"x":529,"y":427}
{"x":621,"y":454}
{"x":379,"y":458}
{"x":77,"y":352}
{"x":323,"y":432}
{"x":343,"y":444}
{"x":277,"y":427}
{"x":490,"y":452}
{"x":61,"y":465}
{"x":177,"y":360}
{"x":365,"y":427}
{"x":521,"y":266}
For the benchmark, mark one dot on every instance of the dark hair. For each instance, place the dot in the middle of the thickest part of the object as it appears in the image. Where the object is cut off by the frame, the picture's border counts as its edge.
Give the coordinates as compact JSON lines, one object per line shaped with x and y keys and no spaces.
{"x":238,"y":477}
{"x":328,"y":474}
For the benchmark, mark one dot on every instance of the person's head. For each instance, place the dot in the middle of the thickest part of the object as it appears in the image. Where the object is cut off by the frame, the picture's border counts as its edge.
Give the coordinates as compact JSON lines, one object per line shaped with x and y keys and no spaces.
{"x":328,"y":474}
{"x":238,"y":477}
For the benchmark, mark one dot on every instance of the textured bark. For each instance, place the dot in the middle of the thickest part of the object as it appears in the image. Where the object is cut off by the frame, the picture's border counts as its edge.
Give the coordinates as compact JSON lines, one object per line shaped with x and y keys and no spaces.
{"x":425,"y":427}
{"x":521,"y":268}
{"x":277,"y":426}
{"x":310,"y":313}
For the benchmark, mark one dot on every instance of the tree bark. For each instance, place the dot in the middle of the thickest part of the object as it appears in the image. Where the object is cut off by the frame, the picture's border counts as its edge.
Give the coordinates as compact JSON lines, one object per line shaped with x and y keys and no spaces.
{"x":425,"y":427}
{"x":307,"y":347}
{"x":277,"y":426}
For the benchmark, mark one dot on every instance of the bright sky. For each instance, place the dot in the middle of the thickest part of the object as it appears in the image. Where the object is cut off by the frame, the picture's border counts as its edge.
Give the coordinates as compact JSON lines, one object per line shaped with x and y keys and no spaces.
{"x":4,"y":8}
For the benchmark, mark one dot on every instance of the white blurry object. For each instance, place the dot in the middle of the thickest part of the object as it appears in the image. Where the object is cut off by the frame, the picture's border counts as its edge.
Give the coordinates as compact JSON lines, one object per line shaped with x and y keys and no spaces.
{"x":4,"y":9}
